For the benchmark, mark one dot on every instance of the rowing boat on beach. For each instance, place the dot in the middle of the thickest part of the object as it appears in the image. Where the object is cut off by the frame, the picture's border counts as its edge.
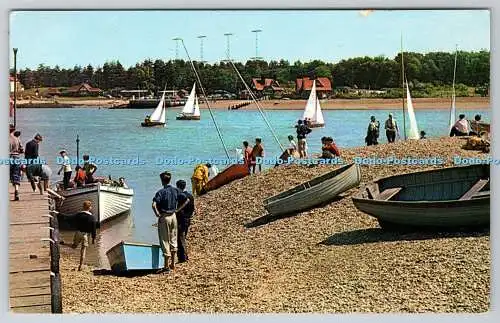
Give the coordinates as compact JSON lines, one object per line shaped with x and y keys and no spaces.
{"x":447,"y":197}
{"x":231,"y":173}
{"x":108,"y":201}
{"x":131,"y":256}
{"x":314,"y":192}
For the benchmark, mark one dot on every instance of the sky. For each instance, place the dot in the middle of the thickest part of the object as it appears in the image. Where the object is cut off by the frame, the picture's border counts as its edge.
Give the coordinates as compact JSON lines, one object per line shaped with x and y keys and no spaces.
{"x":69,"y":38}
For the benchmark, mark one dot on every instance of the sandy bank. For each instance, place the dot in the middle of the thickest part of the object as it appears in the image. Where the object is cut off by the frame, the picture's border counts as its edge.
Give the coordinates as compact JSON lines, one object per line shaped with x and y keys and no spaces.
{"x":334,"y":104}
{"x":329,"y":259}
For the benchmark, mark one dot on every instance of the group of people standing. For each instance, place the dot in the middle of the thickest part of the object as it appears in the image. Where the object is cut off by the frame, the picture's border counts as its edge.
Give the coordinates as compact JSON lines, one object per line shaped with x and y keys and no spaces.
{"x":174,"y":208}
{"x":391,"y":130}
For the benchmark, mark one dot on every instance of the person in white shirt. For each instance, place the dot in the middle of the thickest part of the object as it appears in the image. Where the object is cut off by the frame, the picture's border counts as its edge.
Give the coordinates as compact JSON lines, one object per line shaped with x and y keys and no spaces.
{"x":292,"y":145}
{"x":66,"y":167}
{"x":461,"y":127}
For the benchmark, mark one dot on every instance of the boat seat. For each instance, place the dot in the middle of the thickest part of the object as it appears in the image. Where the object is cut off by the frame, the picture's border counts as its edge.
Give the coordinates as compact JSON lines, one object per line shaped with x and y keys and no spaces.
{"x":481,"y":194}
{"x":474,"y":189}
{"x":372,"y":192}
{"x":388,"y":193}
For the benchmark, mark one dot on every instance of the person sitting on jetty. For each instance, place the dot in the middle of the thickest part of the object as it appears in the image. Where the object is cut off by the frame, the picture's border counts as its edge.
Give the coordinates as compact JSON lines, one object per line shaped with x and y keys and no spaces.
{"x":66,"y":167}
{"x":422,"y":135}
{"x":257,"y":151}
{"x":79,"y":176}
{"x":31,"y":151}
{"x":184,"y":214}
{"x":165,"y":207}
{"x":247,"y":155}
{"x":475,"y":125}
{"x":89,"y":169}
{"x":15,"y":150}
{"x":40,"y":171}
{"x":200,"y":178}
{"x":85,"y":224}
{"x":373,"y":132}
{"x":302,"y":131}
{"x":461,"y":127}
{"x":391,"y":128}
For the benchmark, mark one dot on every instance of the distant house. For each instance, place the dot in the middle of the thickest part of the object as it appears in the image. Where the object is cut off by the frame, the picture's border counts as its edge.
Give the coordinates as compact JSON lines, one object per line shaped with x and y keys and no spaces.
{"x":304,"y":85}
{"x":53,"y":92}
{"x":83,"y":89}
{"x":20,"y":87}
{"x":265,"y":86}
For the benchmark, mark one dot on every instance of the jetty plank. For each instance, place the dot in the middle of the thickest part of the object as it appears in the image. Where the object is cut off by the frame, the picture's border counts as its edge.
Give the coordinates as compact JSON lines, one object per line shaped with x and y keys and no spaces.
{"x":29,"y":255}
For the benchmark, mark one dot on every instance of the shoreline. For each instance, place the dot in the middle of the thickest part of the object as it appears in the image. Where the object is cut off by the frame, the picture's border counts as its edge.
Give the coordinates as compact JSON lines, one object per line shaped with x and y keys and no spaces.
{"x":467,"y":103}
{"x":330,"y":259}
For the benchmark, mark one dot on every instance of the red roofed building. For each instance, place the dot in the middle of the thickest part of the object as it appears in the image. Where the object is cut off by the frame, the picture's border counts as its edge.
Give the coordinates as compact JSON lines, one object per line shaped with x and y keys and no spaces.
{"x":83,"y":89}
{"x":265,"y":86}
{"x":304,"y":85}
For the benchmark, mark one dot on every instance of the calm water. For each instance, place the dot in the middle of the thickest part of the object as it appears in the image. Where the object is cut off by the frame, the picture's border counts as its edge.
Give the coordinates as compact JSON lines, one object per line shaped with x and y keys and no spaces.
{"x":117,"y":133}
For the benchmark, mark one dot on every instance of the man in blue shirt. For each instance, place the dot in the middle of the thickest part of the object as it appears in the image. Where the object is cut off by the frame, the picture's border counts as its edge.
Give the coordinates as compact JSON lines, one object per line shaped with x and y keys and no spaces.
{"x":184,"y":215}
{"x":164,"y":207}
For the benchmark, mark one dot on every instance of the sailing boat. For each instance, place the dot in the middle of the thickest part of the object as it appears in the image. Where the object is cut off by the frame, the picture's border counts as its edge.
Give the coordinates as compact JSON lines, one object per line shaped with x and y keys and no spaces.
{"x":414,"y":134}
{"x":191,"y":110}
{"x":157,"y":118}
{"x":312,"y":111}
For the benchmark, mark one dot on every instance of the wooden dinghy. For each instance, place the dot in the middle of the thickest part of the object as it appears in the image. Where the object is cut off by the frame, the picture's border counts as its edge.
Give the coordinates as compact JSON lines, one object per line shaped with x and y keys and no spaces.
{"x":231,"y":173}
{"x":315,"y":192}
{"x":131,"y":256}
{"x":447,"y":197}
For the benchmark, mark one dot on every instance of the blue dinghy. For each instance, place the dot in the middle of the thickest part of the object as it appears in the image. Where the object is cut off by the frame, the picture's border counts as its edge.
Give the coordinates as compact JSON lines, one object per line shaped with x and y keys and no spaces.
{"x":131,"y":256}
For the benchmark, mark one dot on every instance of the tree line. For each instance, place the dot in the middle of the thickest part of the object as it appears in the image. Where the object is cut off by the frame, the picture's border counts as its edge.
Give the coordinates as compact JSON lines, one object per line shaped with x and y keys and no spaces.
{"x":435,"y":68}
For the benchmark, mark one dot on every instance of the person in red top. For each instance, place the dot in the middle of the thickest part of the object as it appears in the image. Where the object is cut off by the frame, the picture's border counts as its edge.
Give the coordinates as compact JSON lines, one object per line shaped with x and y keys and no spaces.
{"x":79,"y":177}
{"x":247,"y":155}
{"x":329,"y":148}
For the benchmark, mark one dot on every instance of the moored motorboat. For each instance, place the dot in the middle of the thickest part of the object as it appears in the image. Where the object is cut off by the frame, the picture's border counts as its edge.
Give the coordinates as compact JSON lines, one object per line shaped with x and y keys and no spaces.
{"x":108,"y":200}
{"x":314,"y":192}
{"x":131,"y":256}
{"x":442,"y":198}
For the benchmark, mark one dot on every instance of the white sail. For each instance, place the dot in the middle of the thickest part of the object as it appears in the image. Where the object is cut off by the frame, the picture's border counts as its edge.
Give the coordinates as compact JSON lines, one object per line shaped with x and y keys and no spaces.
{"x":318,"y":116}
{"x":189,"y":107}
{"x":158,"y":114}
{"x":196,"y":112}
{"x":411,"y":116}
{"x":310,"y":109}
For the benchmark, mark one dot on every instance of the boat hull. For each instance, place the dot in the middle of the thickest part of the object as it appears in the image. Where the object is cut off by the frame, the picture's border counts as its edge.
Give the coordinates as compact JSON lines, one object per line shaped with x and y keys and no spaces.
{"x":317,"y":191}
{"x":231,"y":173}
{"x":127,"y":256}
{"x":434,"y":198}
{"x":446,"y":214}
{"x":187,"y":118}
{"x":153,"y":124}
{"x":108,"y":201}
{"x":316,"y":125}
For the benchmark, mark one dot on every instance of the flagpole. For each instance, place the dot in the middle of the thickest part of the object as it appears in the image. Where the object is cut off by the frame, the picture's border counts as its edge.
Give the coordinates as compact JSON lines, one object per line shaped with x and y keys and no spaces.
{"x":15,"y":86}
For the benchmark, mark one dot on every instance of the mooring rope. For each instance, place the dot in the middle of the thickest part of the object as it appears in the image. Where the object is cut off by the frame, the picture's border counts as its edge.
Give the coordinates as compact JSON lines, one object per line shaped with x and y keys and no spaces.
{"x":256,"y":103}
{"x":206,"y":100}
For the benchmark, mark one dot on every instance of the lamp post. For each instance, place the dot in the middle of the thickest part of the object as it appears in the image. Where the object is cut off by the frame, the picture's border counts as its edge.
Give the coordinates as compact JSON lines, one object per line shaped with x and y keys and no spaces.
{"x":15,"y":84}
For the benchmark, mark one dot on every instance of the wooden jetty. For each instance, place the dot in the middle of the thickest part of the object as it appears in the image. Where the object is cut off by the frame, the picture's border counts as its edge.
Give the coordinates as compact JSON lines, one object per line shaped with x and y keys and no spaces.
{"x":34,"y":279}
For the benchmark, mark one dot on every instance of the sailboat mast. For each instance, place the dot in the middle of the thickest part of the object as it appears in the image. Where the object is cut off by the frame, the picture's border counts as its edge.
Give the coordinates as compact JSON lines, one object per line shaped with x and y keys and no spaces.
{"x":453,"y":116}
{"x":206,"y":100}
{"x":403,"y":86}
